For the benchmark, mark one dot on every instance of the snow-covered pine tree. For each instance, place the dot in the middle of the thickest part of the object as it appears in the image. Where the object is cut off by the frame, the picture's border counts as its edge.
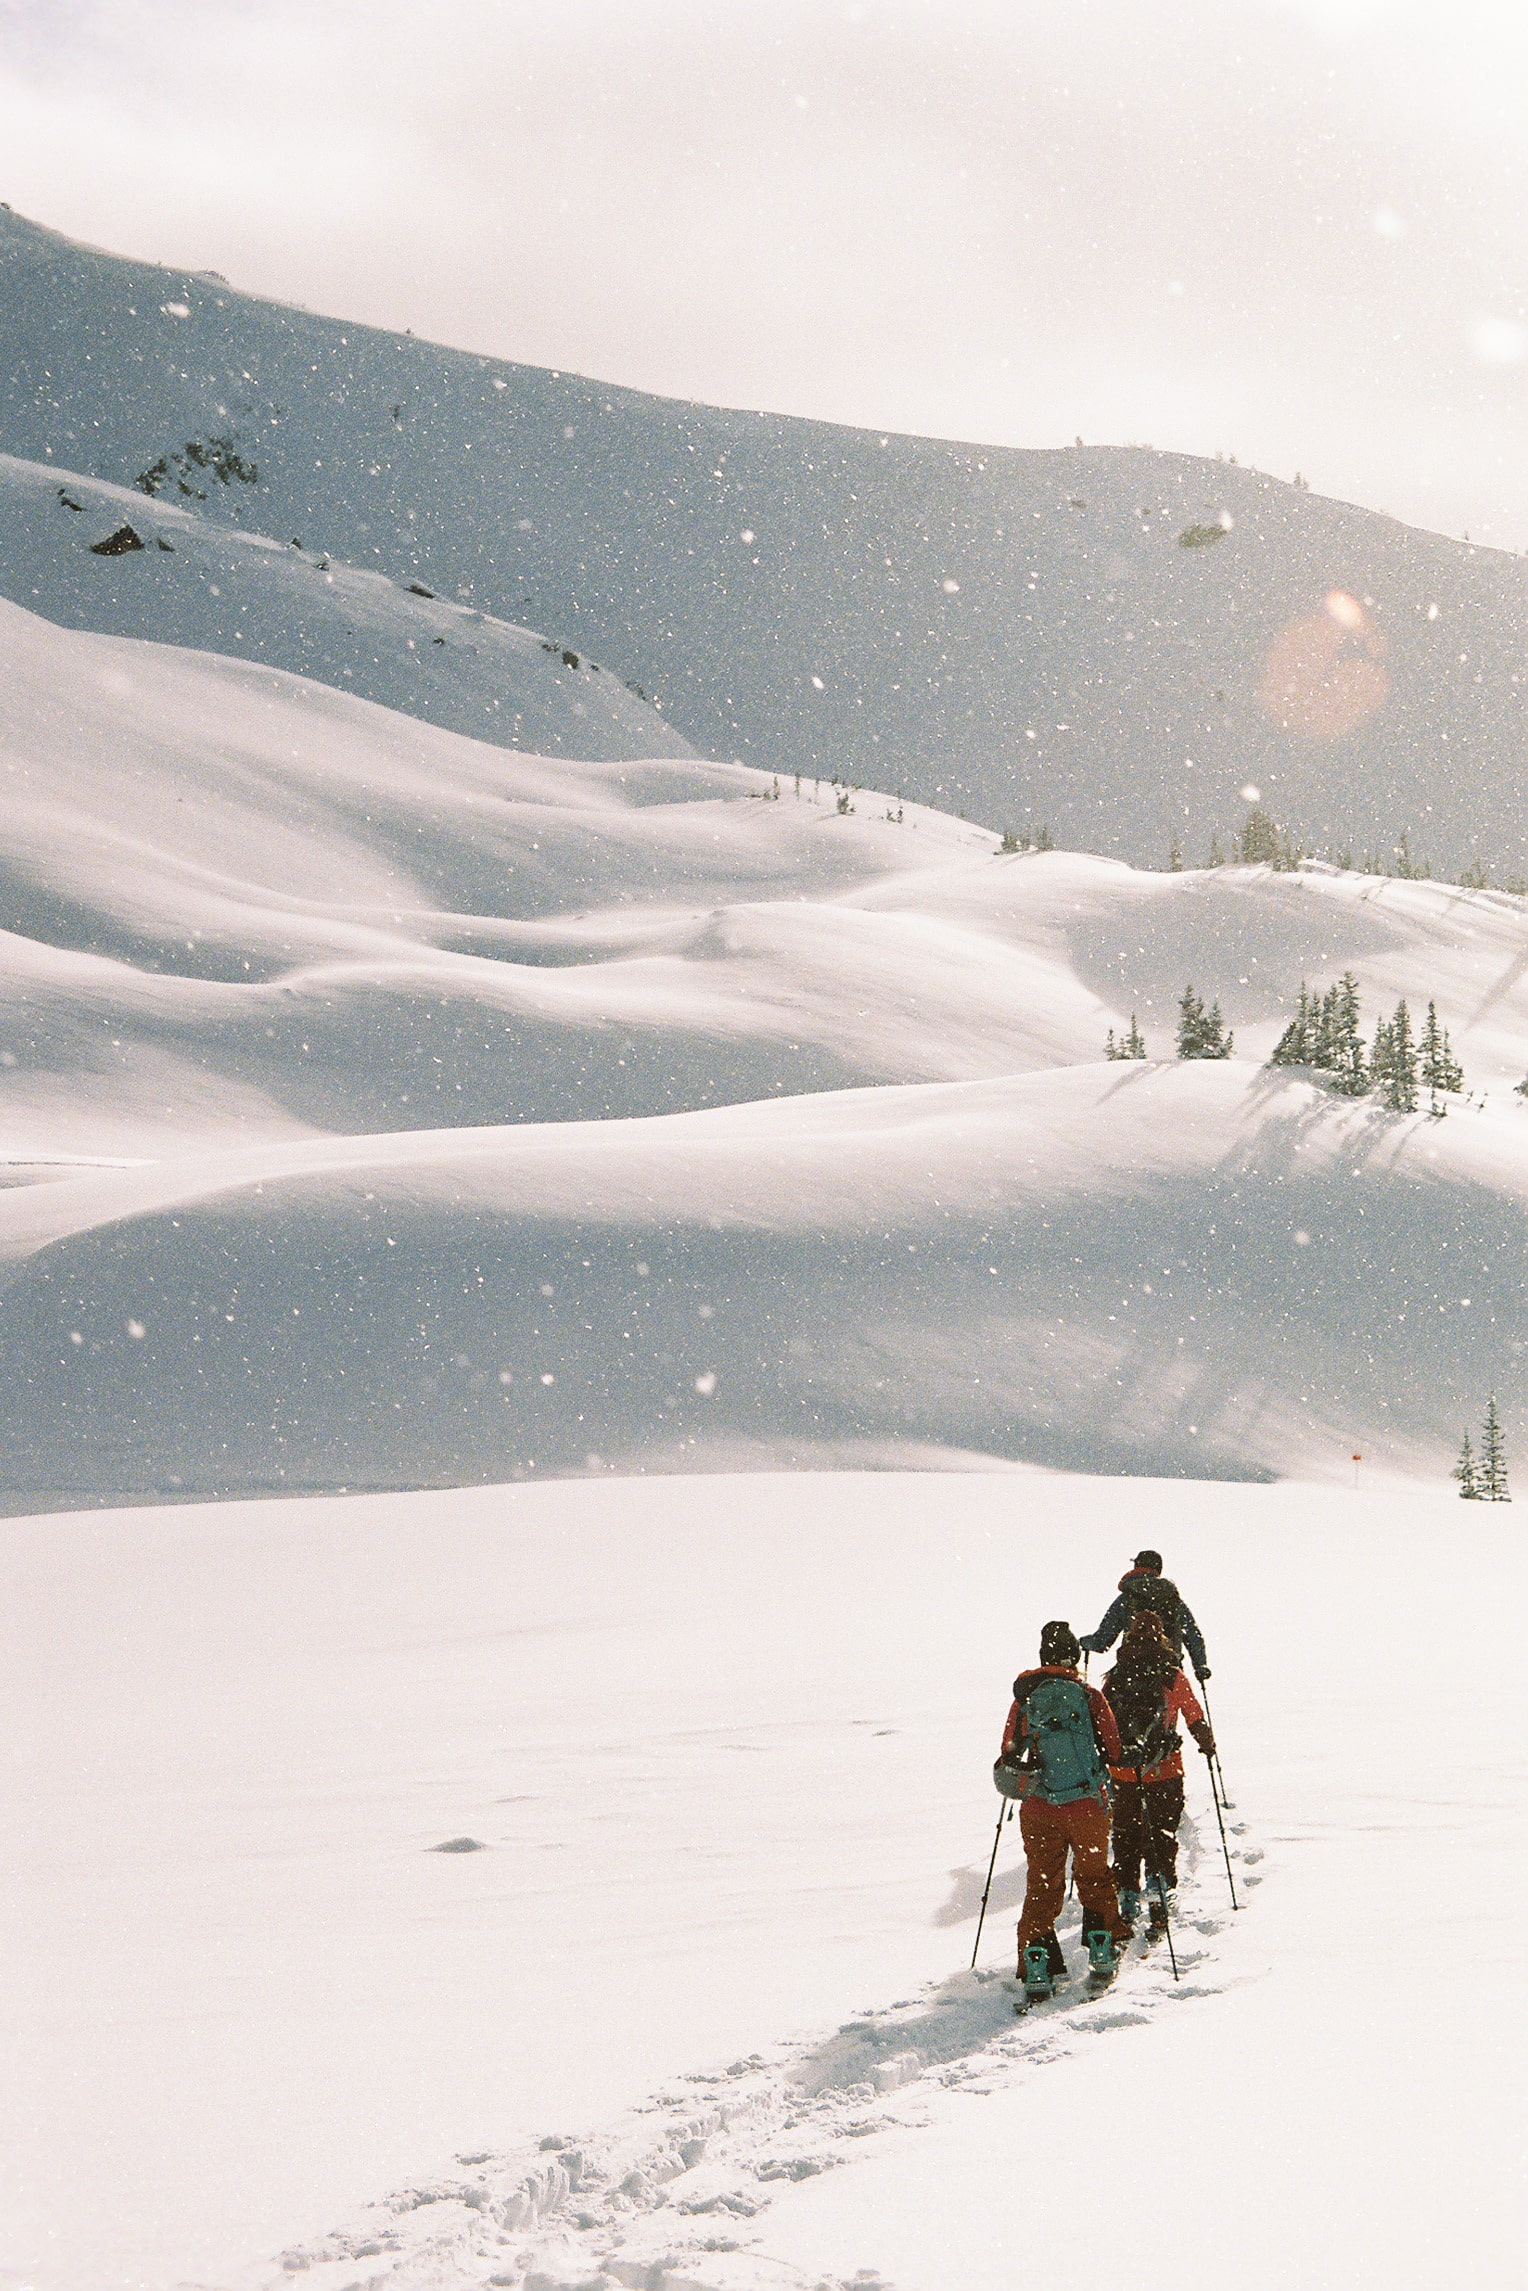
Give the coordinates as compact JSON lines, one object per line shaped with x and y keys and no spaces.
{"x":1190,"y":1025}
{"x":1201,"y":1032}
{"x":1379,"y":1057}
{"x":1465,"y":1474}
{"x":1342,"y":1047}
{"x":1112,"y":1049}
{"x":1493,"y":1458}
{"x":1401,"y":1074}
{"x":1297,"y":1044}
{"x":1440,"y":1070}
{"x":1174,"y":857}
{"x":1134,"y":1045}
{"x":1258,"y":842}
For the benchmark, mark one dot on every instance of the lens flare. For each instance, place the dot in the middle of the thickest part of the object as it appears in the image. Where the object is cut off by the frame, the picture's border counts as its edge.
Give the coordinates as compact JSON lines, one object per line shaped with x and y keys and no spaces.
{"x":1324,"y":674}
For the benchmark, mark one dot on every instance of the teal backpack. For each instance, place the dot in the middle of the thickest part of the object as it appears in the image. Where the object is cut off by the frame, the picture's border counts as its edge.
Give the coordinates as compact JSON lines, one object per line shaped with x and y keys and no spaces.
{"x":1064,"y":1754}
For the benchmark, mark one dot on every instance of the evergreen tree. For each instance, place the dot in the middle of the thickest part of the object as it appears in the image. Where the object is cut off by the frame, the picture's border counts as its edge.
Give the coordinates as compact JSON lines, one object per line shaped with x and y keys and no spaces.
{"x":1401,"y":1064}
{"x":1112,"y":1049}
{"x":1379,"y":1057}
{"x":1135,"y":1041}
{"x":1464,"y":1473}
{"x":1341,"y":1045}
{"x":1044,"y":841}
{"x":1298,"y":1044}
{"x":1174,"y":857}
{"x":1440,"y":1070}
{"x":1217,"y":857}
{"x":1190,"y":1024}
{"x":1201,"y":1032}
{"x":1258,"y":842}
{"x":1493,"y":1458}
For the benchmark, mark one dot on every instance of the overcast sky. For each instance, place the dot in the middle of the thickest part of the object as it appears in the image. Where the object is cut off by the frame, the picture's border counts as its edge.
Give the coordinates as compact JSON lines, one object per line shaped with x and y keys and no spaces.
{"x":1293,"y":230}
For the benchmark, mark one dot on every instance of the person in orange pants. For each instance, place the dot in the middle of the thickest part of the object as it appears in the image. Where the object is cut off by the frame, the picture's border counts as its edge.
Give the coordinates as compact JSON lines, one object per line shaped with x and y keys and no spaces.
{"x":1062,"y":1738}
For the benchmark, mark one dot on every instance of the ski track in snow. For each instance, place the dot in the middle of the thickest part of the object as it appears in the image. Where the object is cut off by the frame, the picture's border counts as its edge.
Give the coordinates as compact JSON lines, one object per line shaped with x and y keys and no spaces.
{"x":668,"y":2197}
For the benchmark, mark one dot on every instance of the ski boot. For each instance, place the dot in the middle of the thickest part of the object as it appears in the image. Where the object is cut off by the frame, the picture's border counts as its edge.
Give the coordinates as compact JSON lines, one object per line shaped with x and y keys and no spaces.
{"x":1035,"y":1974}
{"x":1159,"y":1910}
{"x":1103,"y":1958}
{"x":1130,"y":1906}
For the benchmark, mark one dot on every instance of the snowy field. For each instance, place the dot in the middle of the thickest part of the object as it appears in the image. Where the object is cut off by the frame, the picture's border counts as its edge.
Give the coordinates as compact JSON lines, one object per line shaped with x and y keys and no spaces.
{"x":467,"y":1116}
{"x":564,"y":1307}
{"x":725,"y":1746}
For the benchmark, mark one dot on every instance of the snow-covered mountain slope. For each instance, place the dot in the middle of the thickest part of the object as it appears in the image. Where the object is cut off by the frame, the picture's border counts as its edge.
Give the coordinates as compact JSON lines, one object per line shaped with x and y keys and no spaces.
{"x":244,"y":909}
{"x":102,"y":557}
{"x":1113,"y":641}
{"x":725,"y":1746}
{"x":240,"y":903}
{"x":1201,"y":1269}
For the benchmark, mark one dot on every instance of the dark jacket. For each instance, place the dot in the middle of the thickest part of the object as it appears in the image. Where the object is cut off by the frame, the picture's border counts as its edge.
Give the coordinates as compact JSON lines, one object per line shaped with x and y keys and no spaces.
{"x":1141,"y":1587}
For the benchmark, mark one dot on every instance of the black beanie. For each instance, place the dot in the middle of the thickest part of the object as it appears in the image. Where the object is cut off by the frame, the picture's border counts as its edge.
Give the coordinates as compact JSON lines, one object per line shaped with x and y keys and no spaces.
{"x":1151,"y":1559}
{"x":1059,"y":1643}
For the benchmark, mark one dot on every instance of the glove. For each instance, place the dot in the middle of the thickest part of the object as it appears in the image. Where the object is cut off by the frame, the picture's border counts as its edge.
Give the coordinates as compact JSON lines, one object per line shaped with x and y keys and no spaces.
{"x":1204,"y":1737}
{"x":1203,"y":1676}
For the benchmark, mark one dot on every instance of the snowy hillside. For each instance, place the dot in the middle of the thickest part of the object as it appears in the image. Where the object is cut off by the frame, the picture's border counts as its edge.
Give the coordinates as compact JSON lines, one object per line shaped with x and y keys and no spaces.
{"x":696,"y":2016}
{"x":101,"y":557}
{"x":1110,"y":641}
{"x":369,"y":1009}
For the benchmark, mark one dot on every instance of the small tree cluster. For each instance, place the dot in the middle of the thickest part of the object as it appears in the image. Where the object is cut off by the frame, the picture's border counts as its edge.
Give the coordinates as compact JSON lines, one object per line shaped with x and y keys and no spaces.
{"x":1484,"y":1480}
{"x":1201,"y":1033}
{"x":1131,"y":1045}
{"x":1323,"y":1034}
{"x":1263,"y":843}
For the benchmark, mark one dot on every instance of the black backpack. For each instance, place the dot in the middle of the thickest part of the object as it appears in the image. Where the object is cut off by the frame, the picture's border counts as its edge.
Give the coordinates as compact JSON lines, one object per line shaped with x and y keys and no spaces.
{"x":1138,"y":1700}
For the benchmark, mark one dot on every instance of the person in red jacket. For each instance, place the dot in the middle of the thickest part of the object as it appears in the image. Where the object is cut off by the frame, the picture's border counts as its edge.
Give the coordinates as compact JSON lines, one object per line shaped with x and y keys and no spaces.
{"x":1147,"y":1694}
{"x":1062,"y":1738}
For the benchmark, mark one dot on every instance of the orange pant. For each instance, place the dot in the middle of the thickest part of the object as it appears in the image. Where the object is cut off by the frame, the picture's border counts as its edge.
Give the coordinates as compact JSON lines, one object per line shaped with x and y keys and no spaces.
{"x":1049,"y":1833}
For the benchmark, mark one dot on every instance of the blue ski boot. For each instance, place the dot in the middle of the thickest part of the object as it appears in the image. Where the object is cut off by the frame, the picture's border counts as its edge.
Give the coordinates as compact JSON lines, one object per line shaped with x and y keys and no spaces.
{"x":1103,"y":1958}
{"x":1035,"y":1973}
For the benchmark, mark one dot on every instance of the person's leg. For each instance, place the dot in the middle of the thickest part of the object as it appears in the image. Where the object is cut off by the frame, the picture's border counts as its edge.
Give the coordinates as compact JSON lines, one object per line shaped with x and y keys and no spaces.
{"x":1045,"y":1841}
{"x":1129,"y":1837}
{"x":1164,"y":1811}
{"x":1087,"y":1823}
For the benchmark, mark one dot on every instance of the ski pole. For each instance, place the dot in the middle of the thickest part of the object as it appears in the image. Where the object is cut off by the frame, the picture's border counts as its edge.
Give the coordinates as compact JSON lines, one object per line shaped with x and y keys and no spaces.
{"x":1215,"y":1761}
{"x":1004,"y":1814}
{"x":1167,"y":1924}
{"x":1224,"y":1844}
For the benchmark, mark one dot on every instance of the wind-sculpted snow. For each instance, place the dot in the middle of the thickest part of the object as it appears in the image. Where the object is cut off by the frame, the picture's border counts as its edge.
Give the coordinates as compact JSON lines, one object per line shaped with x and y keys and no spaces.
{"x":1113,"y":641}
{"x":1202,"y":1269}
{"x":482,"y":1115}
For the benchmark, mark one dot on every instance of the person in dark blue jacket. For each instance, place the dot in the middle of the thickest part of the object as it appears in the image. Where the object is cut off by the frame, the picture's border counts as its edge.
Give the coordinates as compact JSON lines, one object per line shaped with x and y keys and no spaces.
{"x":1143,"y":1586}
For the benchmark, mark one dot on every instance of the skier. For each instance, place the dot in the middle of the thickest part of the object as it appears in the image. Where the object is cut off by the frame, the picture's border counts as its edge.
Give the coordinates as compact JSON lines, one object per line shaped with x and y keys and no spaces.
{"x":1062,"y":1736}
{"x":1144,"y":1585}
{"x":1147,"y":1694}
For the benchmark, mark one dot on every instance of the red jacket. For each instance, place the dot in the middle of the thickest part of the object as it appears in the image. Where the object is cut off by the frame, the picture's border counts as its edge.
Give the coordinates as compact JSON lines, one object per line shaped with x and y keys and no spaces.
{"x":1179,"y":1701}
{"x":1103,"y":1717}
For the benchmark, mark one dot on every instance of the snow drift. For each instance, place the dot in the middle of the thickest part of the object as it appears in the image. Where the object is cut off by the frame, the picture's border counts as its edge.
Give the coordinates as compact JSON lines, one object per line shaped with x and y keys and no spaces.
{"x":249,"y":918}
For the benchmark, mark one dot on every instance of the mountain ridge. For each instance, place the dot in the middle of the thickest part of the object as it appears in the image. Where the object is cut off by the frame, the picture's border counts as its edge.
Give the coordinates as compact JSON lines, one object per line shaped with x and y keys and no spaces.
{"x":1109,"y":642}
